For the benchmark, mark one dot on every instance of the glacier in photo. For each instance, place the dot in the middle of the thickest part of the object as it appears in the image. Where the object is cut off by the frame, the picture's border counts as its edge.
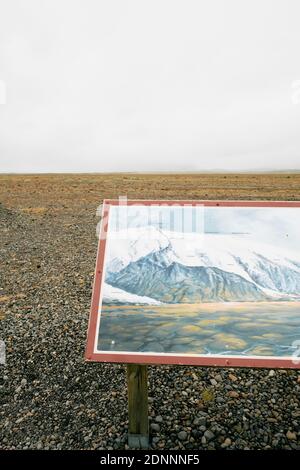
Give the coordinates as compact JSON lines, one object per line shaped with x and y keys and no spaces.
{"x":243,"y":254}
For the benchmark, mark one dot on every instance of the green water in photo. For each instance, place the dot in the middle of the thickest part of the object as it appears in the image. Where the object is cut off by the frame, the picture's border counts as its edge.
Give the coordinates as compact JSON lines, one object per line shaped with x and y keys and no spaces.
{"x":233,"y":328}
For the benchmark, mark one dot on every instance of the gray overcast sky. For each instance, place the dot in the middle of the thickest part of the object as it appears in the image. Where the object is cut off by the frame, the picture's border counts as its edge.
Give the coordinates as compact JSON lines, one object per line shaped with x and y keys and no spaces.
{"x":139,"y":85}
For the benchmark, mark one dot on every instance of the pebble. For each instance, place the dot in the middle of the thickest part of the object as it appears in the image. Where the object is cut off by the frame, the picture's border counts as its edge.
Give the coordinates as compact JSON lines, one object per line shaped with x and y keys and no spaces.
{"x":232,"y":377}
{"x":292,"y":436}
{"x":233,"y":394}
{"x":226,"y":443}
{"x":271,"y":373}
{"x":155,"y":427}
{"x":159,"y":419}
{"x":182,"y":435}
{"x":209,"y":435}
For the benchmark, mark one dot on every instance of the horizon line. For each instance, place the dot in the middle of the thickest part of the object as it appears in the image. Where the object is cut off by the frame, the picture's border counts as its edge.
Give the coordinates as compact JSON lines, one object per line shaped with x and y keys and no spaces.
{"x":156,"y":172}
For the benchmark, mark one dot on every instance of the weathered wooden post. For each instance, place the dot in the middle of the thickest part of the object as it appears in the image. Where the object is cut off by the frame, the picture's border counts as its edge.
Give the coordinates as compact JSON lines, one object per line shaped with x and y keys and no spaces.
{"x":138,"y":428}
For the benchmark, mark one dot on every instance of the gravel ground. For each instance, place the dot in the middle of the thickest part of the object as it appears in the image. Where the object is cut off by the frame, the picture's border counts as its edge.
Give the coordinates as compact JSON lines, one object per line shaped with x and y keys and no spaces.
{"x":51,"y":399}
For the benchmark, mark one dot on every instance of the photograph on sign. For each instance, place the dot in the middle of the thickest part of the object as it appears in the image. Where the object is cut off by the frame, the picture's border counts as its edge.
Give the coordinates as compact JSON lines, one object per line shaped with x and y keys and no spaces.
{"x":199,"y":281}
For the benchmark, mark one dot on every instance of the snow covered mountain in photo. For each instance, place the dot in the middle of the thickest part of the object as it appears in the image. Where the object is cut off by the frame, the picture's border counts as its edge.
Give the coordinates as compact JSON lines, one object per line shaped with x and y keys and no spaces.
{"x":164,"y":266}
{"x":114,"y":296}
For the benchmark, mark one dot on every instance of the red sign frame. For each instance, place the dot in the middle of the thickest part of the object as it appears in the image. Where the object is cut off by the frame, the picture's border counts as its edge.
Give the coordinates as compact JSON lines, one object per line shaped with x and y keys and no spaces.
{"x":168,"y":358}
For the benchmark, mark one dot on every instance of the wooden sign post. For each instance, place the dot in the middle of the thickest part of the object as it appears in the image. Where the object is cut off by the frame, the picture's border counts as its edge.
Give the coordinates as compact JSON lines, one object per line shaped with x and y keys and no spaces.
{"x":138,"y":428}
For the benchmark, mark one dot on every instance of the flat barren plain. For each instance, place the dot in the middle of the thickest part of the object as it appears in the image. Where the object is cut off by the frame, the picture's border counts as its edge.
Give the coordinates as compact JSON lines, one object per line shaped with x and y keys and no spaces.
{"x":49,"y":397}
